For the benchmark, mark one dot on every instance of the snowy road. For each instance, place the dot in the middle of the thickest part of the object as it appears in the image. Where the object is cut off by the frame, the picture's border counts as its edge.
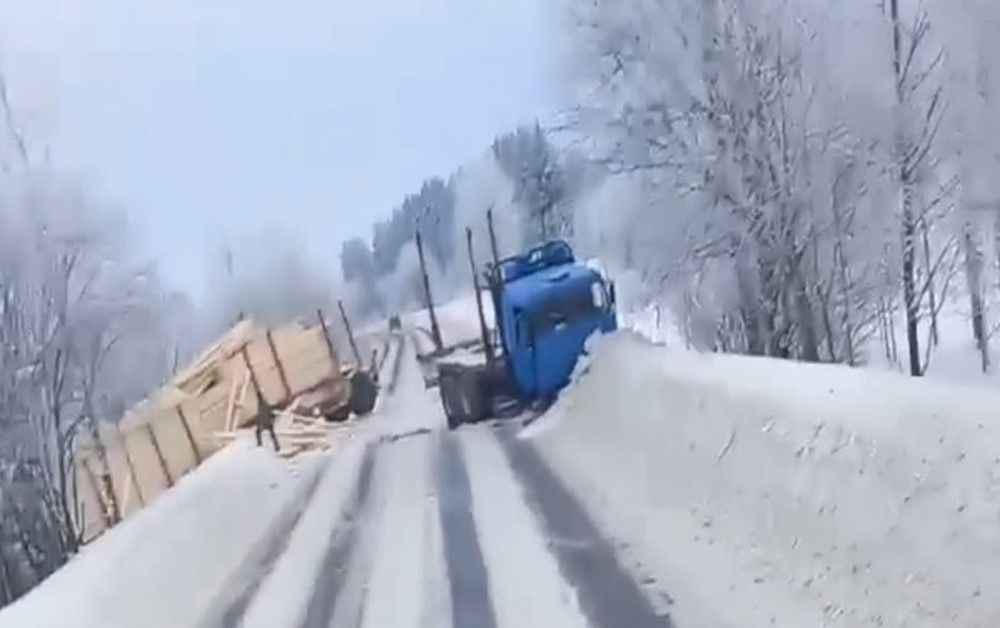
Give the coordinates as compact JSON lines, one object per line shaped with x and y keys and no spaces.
{"x":468,"y":529}
{"x":444,"y":530}
{"x":661,"y":481}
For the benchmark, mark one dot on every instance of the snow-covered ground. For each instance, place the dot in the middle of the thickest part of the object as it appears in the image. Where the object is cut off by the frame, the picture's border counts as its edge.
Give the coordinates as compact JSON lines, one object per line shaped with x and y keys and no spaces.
{"x":284,"y":593}
{"x":172,"y":563}
{"x":759,"y":492}
{"x":526,"y":585}
{"x":954,"y":359}
{"x":735,"y":491}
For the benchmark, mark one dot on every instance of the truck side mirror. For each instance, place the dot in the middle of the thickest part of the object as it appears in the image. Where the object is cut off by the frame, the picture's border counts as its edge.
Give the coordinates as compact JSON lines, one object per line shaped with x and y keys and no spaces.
{"x":612,"y":298}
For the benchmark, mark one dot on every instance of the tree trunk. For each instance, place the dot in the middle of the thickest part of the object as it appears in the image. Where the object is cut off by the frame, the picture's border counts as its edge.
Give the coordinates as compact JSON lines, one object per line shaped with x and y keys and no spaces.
{"x":910,"y":302}
{"x":6,"y":584}
{"x":890,"y":313}
{"x":749,"y":308}
{"x":931,"y":296}
{"x":974,"y":280}
{"x":807,"y":337}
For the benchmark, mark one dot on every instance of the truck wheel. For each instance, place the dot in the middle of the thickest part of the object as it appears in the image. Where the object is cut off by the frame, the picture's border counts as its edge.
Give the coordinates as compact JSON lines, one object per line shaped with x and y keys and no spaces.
{"x":448,"y":385}
{"x":364,"y":392}
{"x":463,"y":394}
{"x":473,"y":397}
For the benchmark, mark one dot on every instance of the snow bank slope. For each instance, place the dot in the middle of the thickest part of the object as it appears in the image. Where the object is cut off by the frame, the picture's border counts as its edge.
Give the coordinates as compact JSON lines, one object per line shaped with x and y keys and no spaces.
{"x":283,"y":597}
{"x":759,"y":492}
{"x":168,"y":564}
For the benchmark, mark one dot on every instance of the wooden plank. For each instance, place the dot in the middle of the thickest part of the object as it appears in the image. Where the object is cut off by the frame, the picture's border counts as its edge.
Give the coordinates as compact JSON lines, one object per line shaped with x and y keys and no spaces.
{"x":147,"y":468}
{"x":237,"y":403}
{"x":234,"y":385}
{"x":253,"y":375}
{"x":131,"y":470}
{"x":190,"y":436}
{"x":159,"y":455}
{"x":264,"y":372}
{"x":175,"y":444}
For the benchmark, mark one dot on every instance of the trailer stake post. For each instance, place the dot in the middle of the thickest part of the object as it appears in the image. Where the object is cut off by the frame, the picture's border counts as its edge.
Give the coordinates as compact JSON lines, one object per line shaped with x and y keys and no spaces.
{"x":435,"y":330}
{"x":483,"y":331}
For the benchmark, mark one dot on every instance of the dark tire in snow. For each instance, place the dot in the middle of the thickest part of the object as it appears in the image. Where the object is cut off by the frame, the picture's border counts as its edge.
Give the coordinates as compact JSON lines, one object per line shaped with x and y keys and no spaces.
{"x":364,"y":392}
{"x":463,"y":394}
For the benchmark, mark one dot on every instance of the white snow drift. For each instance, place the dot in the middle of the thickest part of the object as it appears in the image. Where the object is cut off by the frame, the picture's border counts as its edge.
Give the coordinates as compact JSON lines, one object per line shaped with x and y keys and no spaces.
{"x":171,"y":563}
{"x":758,"y":492}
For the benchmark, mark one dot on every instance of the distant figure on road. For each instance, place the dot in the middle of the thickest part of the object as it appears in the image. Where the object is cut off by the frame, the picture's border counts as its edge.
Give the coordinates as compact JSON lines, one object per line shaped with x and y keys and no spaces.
{"x":265,"y":421}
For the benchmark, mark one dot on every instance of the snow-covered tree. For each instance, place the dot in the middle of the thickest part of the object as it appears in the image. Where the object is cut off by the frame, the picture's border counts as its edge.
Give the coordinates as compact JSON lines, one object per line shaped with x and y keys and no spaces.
{"x":791,"y":164}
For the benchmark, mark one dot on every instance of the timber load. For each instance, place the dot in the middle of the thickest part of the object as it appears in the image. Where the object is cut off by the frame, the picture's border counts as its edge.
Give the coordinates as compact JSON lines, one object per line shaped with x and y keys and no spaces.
{"x":294,"y":369}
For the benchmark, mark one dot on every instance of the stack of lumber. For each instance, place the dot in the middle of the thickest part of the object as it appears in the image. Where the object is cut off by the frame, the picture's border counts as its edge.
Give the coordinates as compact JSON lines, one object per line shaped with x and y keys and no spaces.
{"x":204,"y":371}
{"x":200,"y":410}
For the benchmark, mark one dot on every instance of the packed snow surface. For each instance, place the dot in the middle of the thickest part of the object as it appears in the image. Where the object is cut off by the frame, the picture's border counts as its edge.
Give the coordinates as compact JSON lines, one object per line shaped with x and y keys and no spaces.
{"x":283,"y":596}
{"x":759,"y":492}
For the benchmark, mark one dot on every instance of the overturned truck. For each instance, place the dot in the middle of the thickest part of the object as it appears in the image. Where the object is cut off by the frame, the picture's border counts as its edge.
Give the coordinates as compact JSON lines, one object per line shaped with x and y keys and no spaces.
{"x":545,"y":305}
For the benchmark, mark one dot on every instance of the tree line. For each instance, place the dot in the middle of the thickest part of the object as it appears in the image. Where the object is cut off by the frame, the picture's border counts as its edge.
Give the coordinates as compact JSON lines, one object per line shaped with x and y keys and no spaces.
{"x":540,"y":182}
{"x":817,"y":179}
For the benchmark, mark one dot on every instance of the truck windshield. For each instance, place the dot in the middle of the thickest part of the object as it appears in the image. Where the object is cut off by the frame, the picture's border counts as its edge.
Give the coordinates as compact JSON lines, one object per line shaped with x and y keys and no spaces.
{"x":565,"y":310}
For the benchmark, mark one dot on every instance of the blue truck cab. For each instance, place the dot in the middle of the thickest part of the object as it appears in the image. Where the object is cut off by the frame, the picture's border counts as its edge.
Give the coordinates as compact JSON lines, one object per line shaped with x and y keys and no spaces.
{"x":545,"y":304}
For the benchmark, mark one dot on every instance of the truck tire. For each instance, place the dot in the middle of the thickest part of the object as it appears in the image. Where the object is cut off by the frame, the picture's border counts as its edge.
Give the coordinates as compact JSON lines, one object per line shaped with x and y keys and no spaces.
{"x":448,"y":386}
{"x":463,"y":394}
{"x":473,"y":396}
{"x":364,"y":392}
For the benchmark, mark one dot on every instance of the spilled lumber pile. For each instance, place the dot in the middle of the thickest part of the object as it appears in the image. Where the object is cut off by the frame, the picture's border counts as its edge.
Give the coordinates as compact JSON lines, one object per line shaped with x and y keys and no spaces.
{"x":291,"y":371}
{"x":297,"y":433}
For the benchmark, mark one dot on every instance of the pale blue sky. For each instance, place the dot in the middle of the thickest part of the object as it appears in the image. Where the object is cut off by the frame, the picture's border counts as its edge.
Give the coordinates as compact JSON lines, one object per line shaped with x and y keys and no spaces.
{"x":207,"y":119}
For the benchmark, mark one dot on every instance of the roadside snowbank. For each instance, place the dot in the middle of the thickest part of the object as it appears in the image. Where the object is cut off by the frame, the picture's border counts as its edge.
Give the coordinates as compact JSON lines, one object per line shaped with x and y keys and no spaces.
{"x":168,"y":565}
{"x":758,"y":492}
{"x":284,"y":595}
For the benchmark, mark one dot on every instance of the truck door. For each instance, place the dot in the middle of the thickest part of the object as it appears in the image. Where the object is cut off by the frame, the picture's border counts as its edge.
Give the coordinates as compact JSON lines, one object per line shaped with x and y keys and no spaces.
{"x":522,"y":357}
{"x":558,"y":343}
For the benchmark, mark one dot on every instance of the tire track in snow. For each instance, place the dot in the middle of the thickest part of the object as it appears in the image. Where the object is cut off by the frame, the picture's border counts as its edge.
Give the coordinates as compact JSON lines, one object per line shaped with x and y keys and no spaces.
{"x":333,"y":574}
{"x":471,"y":606}
{"x":526,"y":584}
{"x":259,"y":561}
{"x":397,"y":586}
{"x":397,"y":362}
{"x":608,"y":595}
